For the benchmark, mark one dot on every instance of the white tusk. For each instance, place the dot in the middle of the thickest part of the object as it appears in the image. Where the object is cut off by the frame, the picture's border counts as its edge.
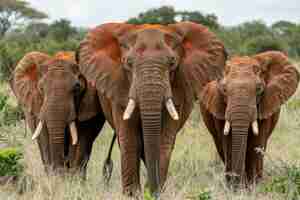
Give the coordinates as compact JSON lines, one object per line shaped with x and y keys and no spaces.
{"x":129,"y":109}
{"x":255,"y":128}
{"x":74,"y":134}
{"x":38,"y":130}
{"x":226,"y":128}
{"x":171,"y":109}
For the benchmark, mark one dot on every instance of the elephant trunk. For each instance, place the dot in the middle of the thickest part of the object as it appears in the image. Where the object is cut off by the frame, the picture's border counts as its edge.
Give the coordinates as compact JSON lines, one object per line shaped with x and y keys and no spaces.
{"x":152,"y":93}
{"x":240,"y":121}
{"x":56,"y":129}
{"x":57,"y":117}
{"x":239,"y":148}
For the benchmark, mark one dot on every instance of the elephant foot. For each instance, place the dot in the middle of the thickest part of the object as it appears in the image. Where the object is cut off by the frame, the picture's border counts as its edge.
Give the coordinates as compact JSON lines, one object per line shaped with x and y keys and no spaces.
{"x":235,"y":182}
{"x":107,"y":171}
{"x":132,"y":191}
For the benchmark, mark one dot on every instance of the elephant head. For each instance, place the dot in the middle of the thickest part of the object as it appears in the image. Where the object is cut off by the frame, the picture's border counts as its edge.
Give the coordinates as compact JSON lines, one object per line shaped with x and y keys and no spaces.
{"x":136,"y":66}
{"x":50,"y":90}
{"x":252,"y":89}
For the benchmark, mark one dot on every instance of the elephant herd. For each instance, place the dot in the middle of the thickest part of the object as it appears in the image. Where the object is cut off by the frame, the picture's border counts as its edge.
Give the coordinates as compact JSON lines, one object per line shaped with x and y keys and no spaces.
{"x":144,"y":80}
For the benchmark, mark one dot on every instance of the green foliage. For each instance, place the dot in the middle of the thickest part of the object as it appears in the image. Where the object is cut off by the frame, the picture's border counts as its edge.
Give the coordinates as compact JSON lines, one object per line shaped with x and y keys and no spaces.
{"x":9,"y":114}
{"x":9,"y":162}
{"x":286,"y":183}
{"x":168,"y":15}
{"x":61,"y":30}
{"x":15,"y":46}
{"x":147,"y":195}
{"x":205,"y":195}
{"x":263,"y":43}
{"x":162,"y":15}
{"x":15,"y":12}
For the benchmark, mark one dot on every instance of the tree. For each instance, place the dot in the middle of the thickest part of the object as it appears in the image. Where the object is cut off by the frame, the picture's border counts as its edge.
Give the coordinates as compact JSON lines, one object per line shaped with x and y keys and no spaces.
{"x":168,"y":15}
{"x":62,"y":29}
{"x":16,"y":12}
{"x":162,"y":15}
{"x":209,"y":20}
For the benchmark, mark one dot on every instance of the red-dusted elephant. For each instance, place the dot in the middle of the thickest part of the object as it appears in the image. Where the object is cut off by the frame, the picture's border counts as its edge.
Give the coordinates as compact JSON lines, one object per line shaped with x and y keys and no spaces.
{"x":242,"y":109}
{"x":147,"y":78}
{"x":52,"y":92}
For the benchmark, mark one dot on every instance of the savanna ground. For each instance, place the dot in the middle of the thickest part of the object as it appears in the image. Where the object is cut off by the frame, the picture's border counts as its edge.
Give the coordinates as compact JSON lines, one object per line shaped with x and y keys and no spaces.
{"x":195,"y":171}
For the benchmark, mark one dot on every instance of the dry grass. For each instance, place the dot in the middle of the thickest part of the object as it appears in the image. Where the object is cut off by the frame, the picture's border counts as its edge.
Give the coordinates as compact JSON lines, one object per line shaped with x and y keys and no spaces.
{"x":194,"y":167}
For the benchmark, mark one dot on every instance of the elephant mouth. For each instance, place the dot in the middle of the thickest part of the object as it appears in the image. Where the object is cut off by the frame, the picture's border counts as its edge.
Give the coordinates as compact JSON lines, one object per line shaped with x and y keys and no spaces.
{"x":71,"y":126}
{"x":70,"y":134}
{"x":254,"y":126}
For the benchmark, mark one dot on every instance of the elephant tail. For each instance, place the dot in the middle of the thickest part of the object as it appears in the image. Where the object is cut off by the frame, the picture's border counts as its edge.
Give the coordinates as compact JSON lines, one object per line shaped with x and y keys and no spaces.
{"x":108,"y":163}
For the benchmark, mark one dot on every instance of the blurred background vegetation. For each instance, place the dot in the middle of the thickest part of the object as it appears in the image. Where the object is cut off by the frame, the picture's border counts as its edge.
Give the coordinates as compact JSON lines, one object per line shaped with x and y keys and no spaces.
{"x":23,"y":29}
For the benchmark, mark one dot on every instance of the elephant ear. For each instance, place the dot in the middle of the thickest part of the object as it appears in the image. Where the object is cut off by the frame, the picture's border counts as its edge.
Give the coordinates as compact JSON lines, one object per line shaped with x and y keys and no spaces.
{"x":212,"y":99}
{"x":281,"y":78}
{"x":25,"y":81}
{"x":204,"y":55}
{"x":100,"y":60}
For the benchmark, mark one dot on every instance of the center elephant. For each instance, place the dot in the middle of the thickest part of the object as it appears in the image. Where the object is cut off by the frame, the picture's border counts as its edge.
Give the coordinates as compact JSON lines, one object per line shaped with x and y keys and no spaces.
{"x":242,"y":109}
{"x":147,"y":78}
{"x":55,"y":98}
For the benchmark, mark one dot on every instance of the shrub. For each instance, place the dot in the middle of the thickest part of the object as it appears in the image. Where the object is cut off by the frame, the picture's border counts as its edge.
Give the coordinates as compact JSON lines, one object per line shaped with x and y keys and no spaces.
{"x":9,"y":162}
{"x":263,"y":43}
{"x":8,"y":113}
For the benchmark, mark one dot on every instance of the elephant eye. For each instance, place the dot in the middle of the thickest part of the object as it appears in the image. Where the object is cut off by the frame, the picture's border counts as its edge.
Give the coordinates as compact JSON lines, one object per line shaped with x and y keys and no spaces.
{"x":124,"y":45}
{"x":259,"y":89}
{"x":76,"y":88}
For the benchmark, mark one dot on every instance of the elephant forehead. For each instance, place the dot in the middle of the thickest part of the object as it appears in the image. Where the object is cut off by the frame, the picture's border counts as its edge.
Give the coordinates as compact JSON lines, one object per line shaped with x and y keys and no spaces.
{"x":241,"y":61}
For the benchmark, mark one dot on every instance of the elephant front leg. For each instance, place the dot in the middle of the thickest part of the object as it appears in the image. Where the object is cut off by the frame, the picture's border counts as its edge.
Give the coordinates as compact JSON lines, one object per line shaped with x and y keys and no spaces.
{"x":257,"y":145}
{"x":130,"y":159}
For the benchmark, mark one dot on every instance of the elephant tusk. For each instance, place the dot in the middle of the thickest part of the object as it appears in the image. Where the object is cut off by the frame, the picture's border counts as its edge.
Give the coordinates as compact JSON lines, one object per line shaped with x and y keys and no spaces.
{"x":171,"y":109}
{"x":38,"y":130}
{"x":255,"y":128}
{"x":74,"y":134}
{"x":226,"y":128}
{"x":129,"y":109}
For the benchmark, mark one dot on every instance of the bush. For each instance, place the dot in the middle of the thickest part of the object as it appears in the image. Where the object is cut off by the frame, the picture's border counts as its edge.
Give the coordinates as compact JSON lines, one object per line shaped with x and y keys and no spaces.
{"x":286,"y":181}
{"x":9,"y":162}
{"x":264,"y":43}
{"x":9,"y":114}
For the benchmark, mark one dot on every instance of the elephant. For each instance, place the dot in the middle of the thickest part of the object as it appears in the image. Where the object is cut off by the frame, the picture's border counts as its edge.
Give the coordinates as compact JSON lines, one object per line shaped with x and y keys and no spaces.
{"x":55,"y":98}
{"x":241,"y":110}
{"x":147,"y":79}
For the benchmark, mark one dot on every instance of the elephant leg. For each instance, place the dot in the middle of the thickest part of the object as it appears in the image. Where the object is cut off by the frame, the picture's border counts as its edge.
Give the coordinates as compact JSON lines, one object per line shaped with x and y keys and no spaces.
{"x":215,"y":128}
{"x":80,"y":153}
{"x":254,"y":159}
{"x":128,"y":137}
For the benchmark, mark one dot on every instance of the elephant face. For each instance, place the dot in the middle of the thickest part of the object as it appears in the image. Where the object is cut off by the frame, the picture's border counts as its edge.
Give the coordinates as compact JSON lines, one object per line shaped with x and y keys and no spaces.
{"x":253,"y":88}
{"x":242,"y":88}
{"x":150,"y":63}
{"x":50,"y":89}
{"x":137,"y":64}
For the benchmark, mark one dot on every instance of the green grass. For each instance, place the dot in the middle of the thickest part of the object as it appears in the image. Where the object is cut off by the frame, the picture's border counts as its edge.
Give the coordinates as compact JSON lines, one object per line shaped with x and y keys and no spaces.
{"x":195,"y":171}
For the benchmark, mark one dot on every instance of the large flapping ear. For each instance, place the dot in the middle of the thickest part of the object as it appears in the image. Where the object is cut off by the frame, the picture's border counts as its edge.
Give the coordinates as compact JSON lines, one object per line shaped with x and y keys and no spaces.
{"x":25,"y":80}
{"x":100,"y":59}
{"x":212,"y":99}
{"x":204,"y":55}
{"x":281,"y":78}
